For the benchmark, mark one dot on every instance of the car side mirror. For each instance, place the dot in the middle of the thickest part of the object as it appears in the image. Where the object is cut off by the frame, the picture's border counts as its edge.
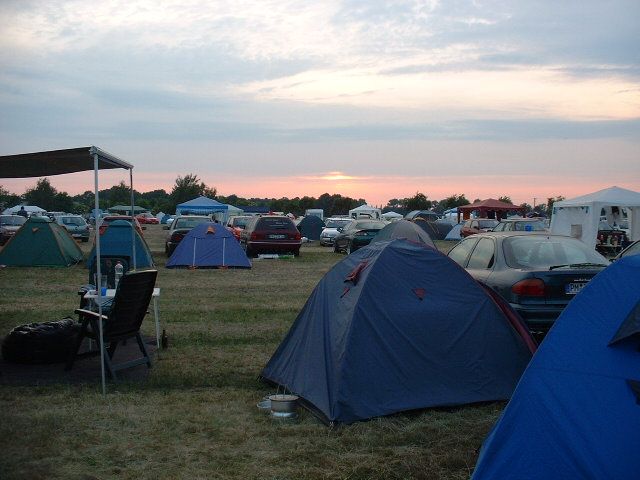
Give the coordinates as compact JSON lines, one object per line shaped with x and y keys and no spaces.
{"x":165,"y":227}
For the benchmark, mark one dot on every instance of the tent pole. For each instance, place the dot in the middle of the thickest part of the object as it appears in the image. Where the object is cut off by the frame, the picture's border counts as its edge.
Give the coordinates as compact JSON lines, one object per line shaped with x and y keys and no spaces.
{"x":99,"y":270}
{"x":133,"y":222}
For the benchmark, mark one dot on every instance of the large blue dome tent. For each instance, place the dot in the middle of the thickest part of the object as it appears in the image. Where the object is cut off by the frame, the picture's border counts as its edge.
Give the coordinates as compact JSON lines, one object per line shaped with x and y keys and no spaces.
{"x":576,"y":411}
{"x":209,"y":245}
{"x":398,"y":326}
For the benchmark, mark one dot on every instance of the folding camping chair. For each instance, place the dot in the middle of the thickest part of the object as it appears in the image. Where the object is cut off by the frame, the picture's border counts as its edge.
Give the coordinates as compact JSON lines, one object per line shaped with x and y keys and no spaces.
{"x":121,"y":323}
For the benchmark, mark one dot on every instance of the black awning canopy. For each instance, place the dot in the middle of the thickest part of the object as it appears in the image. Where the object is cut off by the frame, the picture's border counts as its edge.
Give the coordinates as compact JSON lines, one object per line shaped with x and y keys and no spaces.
{"x":57,"y":162}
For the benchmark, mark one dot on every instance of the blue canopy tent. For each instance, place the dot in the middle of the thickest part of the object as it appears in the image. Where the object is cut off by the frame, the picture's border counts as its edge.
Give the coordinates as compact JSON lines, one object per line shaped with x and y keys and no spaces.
{"x":203,"y":206}
{"x":398,"y":326}
{"x":209,"y":245}
{"x":576,"y":411}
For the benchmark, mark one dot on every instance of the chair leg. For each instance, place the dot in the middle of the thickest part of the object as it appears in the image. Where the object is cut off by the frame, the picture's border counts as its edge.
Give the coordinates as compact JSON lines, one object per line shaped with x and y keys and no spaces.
{"x":112,"y":348}
{"x":74,"y":352}
{"x":108,"y":364}
{"x":143,"y":349}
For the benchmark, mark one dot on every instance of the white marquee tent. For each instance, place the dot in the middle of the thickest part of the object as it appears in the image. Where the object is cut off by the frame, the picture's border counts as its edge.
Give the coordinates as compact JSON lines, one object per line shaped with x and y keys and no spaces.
{"x":580,"y":217}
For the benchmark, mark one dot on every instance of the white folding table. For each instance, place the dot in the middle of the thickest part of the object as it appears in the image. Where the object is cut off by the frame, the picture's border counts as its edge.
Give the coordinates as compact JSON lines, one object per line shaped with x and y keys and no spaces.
{"x":111,"y":292}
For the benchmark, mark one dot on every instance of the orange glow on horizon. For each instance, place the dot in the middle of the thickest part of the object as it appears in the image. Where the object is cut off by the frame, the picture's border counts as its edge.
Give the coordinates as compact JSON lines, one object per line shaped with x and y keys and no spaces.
{"x":376,"y":190}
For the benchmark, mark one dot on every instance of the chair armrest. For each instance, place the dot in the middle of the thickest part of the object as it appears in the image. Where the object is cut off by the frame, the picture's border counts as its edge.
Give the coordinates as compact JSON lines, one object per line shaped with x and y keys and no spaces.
{"x":88,"y":313}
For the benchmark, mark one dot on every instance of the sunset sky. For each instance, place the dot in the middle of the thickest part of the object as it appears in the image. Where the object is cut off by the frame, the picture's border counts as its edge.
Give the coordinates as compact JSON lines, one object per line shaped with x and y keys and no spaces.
{"x":370,"y":99}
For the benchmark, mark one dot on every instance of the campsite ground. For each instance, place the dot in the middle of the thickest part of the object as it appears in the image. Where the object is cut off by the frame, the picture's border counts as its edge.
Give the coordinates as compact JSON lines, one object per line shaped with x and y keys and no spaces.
{"x":195,"y":416}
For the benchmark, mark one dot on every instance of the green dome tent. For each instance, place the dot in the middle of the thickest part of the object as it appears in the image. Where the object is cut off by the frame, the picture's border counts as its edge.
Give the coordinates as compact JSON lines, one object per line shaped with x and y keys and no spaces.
{"x":41,"y":243}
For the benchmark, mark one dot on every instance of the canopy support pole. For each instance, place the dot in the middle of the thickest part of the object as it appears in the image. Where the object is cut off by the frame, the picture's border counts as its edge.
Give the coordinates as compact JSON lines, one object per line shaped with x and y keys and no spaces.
{"x":99,"y":271}
{"x":133,"y":222}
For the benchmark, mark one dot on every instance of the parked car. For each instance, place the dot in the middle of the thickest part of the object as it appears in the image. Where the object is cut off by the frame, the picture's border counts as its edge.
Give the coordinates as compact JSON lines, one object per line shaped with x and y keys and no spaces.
{"x":180,"y":226}
{"x":330,"y":230}
{"x":9,"y":225}
{"x":477,"y":225}
{"x":112,"y":218}
{"x":632,"y":249}
{"x":520,"y":224}
{"x":356,"y":234}
{"x":538,"y":274}
{"x":271,"y":234}
{"x":238,"y":223}
{"x":75,"y":225}
{"x":147,"y":218}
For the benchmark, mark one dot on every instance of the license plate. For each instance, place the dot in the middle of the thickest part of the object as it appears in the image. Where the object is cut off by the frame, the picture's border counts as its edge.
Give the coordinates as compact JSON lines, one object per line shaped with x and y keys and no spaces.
{"x":276,"y":237}
{"x":573,"y":288}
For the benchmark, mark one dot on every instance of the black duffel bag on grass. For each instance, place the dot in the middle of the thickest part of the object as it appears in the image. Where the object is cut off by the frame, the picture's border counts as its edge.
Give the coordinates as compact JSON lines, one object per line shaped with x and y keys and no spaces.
{"x":35,"y":343}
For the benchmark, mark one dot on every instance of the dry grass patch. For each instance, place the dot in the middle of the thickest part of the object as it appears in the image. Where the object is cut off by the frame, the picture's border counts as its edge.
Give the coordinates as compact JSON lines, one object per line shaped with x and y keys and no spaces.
{"x":196,"y":417}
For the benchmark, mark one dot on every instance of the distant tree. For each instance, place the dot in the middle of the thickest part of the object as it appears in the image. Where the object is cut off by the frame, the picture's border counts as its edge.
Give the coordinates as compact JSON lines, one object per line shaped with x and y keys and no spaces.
{"x":527,"y":207}
{"x":187,"y":188}
{"x":418,"y":202}
{"x":42,"y":194}
{"x":118,"y":194}
{"x":550,"y":202}
{"x":7,"y":199}
{"x":455,"y":200}
{"x":505,"y":199}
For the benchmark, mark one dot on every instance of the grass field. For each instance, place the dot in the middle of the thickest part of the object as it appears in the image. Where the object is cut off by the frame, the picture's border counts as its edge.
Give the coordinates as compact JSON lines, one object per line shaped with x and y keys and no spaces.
{"x":195,"y":416}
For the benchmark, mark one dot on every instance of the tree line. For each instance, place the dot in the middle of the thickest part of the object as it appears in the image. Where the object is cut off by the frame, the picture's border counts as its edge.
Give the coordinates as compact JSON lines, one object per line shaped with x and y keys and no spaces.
{"x":187,"y":187}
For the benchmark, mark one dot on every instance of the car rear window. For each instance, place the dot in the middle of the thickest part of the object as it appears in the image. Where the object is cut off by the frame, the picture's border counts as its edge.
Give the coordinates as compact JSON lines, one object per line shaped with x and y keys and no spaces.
{"x":190,"y":222}
{"x":487,"y":223}
{"x":240,"y":222}
{"x":529,"y":226}
{"x":72,"y":221}
{"x":273,"y":223}
{"x":369,"y":225}
{"x":539,"y":251}
{"x":12,"y":220}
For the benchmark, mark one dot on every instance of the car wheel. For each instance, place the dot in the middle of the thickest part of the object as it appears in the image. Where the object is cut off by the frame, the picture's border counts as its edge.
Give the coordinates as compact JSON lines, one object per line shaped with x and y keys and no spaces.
{"x":335,"y":248}
{"x":296,"y":253}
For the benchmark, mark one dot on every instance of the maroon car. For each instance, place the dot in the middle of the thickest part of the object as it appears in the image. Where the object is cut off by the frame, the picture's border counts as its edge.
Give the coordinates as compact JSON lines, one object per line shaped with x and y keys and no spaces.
{"x":477,"y":225}
{"x":271,"y":234}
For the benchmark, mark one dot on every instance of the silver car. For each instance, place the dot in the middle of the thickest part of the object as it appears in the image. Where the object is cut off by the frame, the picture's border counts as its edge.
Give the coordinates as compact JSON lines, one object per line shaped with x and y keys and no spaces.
{"x":75,"y":225}
{"x":9,"y":225}
{"x":330,"y":230}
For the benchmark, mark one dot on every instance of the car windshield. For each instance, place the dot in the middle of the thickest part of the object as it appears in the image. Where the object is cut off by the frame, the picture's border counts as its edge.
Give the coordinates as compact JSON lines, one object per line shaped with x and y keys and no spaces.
{"x":336,"y":223}
{"x":542,"y":252}
{"x":487,"y":223}
{"x":11,"y":220}
{"x":190,"y":222}
{"x":275,"y":223}
{"x":73,"y":221}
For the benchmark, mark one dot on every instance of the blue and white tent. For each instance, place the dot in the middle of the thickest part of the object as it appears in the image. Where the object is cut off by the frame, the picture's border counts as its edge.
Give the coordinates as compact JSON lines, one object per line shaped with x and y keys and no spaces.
{"x":209,"y":245}
{"x":576,"y":411}
{"x":398,"y":326}
{"x":202,"y":206}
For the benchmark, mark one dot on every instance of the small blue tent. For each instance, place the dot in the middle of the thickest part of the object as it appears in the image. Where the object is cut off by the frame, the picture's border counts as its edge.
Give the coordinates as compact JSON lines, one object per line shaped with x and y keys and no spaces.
{"x":209,"y":245}
{"x":576,"y":411}
{"x":398,"y":326}
{"x":116,"y":241}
